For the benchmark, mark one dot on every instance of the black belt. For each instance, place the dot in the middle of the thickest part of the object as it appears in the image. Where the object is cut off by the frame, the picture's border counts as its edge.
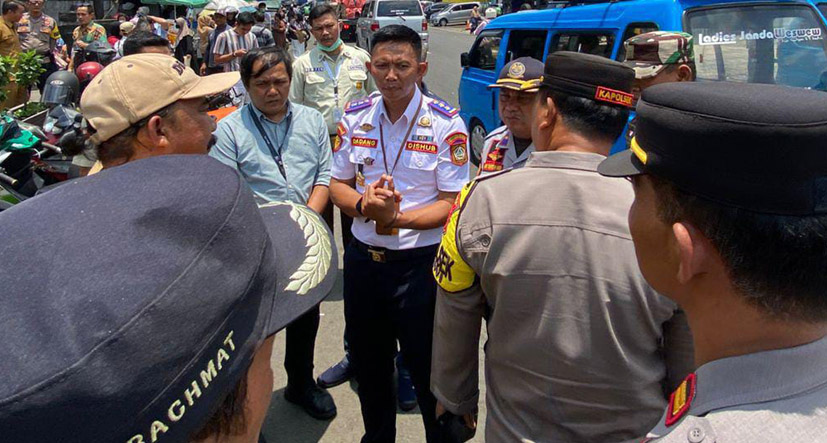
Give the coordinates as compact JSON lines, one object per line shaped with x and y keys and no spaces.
{"x":384,"y":255}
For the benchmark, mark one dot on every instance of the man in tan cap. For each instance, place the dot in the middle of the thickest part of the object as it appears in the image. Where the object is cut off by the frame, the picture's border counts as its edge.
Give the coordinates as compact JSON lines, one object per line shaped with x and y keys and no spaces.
{"x":145,"y":105}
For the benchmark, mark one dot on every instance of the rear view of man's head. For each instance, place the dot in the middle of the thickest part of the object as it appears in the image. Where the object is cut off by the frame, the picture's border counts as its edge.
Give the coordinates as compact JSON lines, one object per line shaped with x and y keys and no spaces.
{"x":143,"y":42}
{"x":168,"y":334}
{"x":584,"y":95}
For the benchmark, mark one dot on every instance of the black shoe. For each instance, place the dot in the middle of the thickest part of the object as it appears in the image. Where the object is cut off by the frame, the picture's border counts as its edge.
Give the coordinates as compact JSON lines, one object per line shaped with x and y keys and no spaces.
{"x":314,"y":400}
{"x":405,"y":393}
{"x":336,"y":374}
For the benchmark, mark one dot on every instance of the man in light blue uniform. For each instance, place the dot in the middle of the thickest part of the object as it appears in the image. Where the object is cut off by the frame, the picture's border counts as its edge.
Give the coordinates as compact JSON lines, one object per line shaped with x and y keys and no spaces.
{"x":283,"y":151}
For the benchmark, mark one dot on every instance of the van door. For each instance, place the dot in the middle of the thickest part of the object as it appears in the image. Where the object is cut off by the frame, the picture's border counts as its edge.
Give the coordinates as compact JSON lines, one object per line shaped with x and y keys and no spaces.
{"x":476,"y":101}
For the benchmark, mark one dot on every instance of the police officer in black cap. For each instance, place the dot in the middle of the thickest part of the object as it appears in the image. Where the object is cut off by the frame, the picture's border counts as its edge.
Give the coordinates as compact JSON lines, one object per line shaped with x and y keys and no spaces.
{"x":543,"y":253}
{"x":729,"y":221}
{"x":169,"y":333}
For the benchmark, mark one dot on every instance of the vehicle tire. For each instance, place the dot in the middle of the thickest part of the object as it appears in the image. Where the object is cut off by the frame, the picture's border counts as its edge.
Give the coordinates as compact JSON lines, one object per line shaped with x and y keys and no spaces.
{"x":443,"y":22}
{"x":478,"y":134}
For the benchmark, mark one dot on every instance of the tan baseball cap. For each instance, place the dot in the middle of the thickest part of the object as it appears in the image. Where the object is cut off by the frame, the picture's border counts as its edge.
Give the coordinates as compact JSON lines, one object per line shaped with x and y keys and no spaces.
{"x":134,"y":87}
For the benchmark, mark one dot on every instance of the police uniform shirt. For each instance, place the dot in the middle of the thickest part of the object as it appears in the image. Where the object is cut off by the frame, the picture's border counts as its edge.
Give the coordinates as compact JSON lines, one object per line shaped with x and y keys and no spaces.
{"x":39,"y":33}
{"x":433,"y":158}
{"x":500,"y":153}
{"x":576,"y":337}
{"x":771,"y":396}
{"x":312,"y":85}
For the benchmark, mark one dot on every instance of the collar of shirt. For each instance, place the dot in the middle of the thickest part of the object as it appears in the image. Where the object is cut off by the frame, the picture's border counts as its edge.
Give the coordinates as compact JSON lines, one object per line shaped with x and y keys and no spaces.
{"x":321,"y":55}
{"x":584,"y":161}
{"x":260,"y":115}
{"x":410,"y":111}
{"x":759,"y":377}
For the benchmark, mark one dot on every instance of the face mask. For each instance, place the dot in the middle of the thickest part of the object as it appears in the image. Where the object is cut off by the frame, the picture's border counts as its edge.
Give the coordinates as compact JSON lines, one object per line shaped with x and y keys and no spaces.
{"x":332,"y":47}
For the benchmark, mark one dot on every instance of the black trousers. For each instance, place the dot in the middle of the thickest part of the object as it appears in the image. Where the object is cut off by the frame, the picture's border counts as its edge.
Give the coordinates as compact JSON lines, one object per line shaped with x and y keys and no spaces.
{"x":386,"y":302}
{"x":301,"y":345}
{"x":50,"y":67}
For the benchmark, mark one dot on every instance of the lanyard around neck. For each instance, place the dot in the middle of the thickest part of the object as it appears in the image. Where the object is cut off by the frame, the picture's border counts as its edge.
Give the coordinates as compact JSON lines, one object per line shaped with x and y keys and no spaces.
{"x":404,"y":139}
{"x":275,"y":153}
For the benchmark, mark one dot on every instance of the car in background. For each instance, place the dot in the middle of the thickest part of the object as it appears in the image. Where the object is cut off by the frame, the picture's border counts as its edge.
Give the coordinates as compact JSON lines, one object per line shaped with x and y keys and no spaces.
{"x":775,"y":42}
{"x":434,"y":8}
{"x":376,"y":14}
{"x":425,"y":4}
{"x":456,"y":13}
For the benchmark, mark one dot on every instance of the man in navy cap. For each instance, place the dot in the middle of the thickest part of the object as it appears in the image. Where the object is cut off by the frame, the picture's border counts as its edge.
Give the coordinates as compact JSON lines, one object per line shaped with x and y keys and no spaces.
{"x":579,"y":347}
{"x":168,"y":334}
{"x":728,"y":221}
{"x":510,"y":145}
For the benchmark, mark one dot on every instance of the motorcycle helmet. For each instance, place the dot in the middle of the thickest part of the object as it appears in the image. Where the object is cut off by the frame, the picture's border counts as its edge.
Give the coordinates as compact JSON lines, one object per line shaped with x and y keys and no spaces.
{"x":99,"y":52}
{"x":62,"y":88}
{"x":86,"y":72}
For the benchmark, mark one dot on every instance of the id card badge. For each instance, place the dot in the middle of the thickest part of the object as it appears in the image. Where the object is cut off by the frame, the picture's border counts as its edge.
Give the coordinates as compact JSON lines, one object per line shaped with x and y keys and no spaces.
{"x":337,"y":114}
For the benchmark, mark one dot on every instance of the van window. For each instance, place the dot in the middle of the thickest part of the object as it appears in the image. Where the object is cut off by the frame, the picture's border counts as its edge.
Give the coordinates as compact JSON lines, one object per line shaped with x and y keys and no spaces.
{"x":483,"y":54}
{"x":526,"y":44}
{"x":396,"y":8}
{"x":594,"y":43}
{"x":777,"y":43}
{"x":632,"y":30}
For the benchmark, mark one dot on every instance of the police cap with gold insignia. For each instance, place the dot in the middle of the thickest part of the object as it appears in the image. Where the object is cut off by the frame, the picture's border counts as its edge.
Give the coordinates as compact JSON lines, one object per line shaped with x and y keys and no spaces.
{"x":751,"y":146}
{"x":138,"y":297}
{"x":590,"y":76}
{"x":522,"y":74}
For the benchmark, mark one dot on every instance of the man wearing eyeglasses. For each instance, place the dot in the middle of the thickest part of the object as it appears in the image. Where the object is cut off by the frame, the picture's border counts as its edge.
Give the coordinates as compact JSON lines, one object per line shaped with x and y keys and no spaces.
{"x":510,"y":145}
{"x":326,"y":78}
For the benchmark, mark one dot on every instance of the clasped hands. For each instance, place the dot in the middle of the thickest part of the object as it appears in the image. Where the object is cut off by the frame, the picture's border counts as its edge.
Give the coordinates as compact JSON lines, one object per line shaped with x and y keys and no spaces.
{"x":379,"y":202}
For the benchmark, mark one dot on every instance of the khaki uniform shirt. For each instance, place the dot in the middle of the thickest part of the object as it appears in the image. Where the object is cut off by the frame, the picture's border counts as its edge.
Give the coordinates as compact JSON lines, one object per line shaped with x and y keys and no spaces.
{"x":580,"y":348}
{"x":772,"y":396}
{"x":312,"y":86}
{"x":39,"y":33}
{"x":500,"y":153}
{"x":9,"y":39}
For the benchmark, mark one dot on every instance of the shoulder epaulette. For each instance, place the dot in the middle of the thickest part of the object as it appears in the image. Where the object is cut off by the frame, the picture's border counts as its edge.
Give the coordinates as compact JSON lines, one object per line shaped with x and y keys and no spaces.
{"x":444,"y":108}
{"x":496,"y":132}
{"x":490,"y":175}
{"x":355,"y":105}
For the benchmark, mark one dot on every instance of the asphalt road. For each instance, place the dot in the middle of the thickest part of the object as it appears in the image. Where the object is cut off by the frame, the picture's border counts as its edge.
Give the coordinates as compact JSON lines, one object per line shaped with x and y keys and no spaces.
{"x":287,"y":423}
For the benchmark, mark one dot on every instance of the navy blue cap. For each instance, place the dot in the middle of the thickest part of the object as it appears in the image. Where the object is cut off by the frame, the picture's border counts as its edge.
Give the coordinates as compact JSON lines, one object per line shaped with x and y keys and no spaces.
{"x":751,"y":146}
{"x":134,"y":299}
{"x":522,"y":74}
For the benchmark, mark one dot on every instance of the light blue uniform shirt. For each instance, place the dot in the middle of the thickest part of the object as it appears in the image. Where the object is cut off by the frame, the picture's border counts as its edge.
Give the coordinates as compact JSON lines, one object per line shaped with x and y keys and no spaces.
{"x":306,"y":153}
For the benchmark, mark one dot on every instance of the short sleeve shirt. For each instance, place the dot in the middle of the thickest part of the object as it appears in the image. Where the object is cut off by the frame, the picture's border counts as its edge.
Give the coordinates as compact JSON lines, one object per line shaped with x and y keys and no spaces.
{"x":433,"y":158}
{"x":230,"y":41}
{"x":313,"y":86}
{"x":39,"y":33}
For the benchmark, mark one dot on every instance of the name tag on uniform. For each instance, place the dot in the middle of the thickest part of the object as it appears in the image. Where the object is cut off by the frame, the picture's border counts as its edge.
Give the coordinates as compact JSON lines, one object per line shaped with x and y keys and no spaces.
{"x":429,"y":148}
{"x":319,"y":69}
{"x":363,"y":142}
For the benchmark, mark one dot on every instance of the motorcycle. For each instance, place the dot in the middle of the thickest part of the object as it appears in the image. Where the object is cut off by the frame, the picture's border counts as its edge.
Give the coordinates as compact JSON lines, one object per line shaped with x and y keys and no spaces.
{"x":27,"y":163}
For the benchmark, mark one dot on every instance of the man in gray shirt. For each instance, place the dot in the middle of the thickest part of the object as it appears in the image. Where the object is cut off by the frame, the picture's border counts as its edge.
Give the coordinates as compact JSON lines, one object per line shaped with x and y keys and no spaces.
{"x":580,"y":348}
{"x":729,"y":221}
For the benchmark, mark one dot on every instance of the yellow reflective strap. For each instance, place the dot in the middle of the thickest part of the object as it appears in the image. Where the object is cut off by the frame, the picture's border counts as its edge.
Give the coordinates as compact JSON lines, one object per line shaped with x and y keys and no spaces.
{"x":451,"y":272}
{"x":638,"y":151}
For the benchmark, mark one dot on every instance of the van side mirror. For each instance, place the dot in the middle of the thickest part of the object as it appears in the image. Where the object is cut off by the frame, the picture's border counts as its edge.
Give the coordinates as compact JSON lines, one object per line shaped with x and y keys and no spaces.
{"x":464,"y":60}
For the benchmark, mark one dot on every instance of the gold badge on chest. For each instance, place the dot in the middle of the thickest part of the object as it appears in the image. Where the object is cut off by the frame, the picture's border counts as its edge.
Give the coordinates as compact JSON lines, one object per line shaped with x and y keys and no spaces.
{"x":425,"y":121}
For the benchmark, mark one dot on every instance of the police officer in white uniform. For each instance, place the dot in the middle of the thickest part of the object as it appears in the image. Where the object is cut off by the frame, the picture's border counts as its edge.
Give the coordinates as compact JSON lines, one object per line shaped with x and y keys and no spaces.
{"x":728,"y":221}
{"x":510,"y":145}
{"x":398,"y":164}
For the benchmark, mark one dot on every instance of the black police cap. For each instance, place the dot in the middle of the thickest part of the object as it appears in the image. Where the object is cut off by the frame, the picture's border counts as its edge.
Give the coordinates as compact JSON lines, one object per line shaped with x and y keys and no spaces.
{"x":750,"y":146}
{"x":590,"y":76}
{"x":134,"y":300}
